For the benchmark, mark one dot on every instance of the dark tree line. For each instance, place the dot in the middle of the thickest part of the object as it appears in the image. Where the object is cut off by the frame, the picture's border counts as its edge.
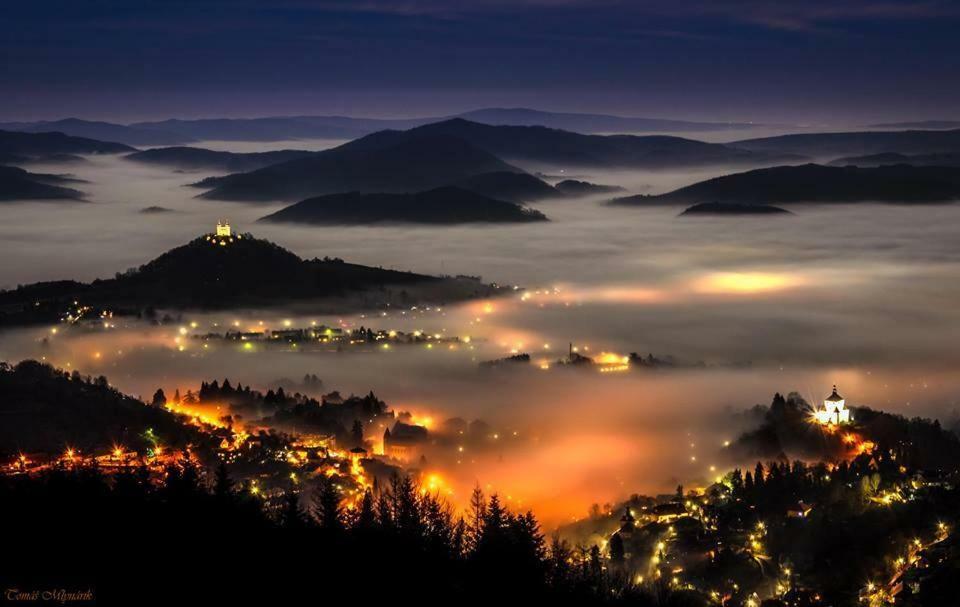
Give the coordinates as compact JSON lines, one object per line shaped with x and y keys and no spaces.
{"x":213,"y":540}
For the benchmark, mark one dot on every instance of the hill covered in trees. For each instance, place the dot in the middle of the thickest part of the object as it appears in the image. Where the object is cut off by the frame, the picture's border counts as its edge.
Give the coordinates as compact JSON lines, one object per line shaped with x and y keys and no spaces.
{"x":887,"y":158}
{"x":217,"y":273}
{"x":447,"y":205}
{"x":43,"y":145}
{"x":817,"y":183}
{"x":19,"y":184}
{"x":45,"y":409}
{"x":732,"y":208}
{"x":831,"y":145}
{"x":386,"y":162}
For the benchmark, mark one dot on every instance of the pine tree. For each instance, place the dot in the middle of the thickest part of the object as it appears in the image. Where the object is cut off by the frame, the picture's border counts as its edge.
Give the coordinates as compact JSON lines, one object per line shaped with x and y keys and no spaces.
{"x":477,"y":514}
{"x":616,"y":549}
{"x":222,"y":485}
{"x":356,"y":433}
{"x":292,"y":516}
{"x":326,"y":506}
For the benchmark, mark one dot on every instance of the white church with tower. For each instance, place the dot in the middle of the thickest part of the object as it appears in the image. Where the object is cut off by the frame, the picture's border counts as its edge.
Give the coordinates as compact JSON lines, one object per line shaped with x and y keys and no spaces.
{"x":834,"y":411}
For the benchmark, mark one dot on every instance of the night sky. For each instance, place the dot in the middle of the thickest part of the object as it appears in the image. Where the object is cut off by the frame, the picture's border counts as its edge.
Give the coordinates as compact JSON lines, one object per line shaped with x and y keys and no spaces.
{"x":814,"y":61}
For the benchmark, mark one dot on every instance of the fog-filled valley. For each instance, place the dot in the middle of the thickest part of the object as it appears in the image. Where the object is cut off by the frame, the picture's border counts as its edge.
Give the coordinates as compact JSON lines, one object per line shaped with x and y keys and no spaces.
{"x":861,"y":295}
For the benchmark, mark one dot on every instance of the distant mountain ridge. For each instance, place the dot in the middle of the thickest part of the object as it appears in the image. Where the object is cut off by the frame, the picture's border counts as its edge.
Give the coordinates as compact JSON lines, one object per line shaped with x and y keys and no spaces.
{"x":832,"y":145}
{"x":448,"y":152}
{"x":887,"y":158}
{"x":564,"y":148}
{"x":446,"y":205}
{"x":387,"y":162}
{"x":817,"y":183}
{"x":279,"y":128}
{"x":93,"y":129}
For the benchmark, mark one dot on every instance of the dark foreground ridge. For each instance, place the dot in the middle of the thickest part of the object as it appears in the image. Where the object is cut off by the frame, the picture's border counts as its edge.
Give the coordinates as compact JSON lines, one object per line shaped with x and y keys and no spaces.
{"x":877,"y":501}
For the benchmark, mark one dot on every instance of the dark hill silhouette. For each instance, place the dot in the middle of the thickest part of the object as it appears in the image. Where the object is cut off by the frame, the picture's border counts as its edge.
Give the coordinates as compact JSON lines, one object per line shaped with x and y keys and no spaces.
{"x":817,"y":183}
{"x":733,"y":208}
{"x":18,"y":184}
{"x":244,"y":271}
{"x":831,"y":145}
{"x":447,"y":205}
{"x":589,"y":123}
{"x":279,"y":128}
{"x":104,"y":131}
{"x":446,"y":152}
{"x":34,"y":145}
{"x":505,"y":185}
{"x":573,"y":187}
{"x":200,"y":158}
{"x":45,"y":409}
{"x":920,"y":124}
{"x":887,"y":158}
{"x":388,"y":162}
{"x":552,"y":146}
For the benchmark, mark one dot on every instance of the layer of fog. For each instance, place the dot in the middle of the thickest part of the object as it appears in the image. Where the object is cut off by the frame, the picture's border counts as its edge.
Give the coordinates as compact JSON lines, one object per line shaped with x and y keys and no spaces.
{"x":862,"y":295}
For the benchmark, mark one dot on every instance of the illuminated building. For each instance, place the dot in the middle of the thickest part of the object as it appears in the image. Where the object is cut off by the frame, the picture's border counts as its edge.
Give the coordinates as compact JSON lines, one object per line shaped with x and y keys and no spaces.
{"x":833,"y":412}
{"x":404,"y":442}
{"x":223,"y":229}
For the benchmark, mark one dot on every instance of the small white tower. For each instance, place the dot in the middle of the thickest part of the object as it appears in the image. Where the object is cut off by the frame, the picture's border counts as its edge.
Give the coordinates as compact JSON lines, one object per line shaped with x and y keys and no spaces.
{"x":223,"y":229}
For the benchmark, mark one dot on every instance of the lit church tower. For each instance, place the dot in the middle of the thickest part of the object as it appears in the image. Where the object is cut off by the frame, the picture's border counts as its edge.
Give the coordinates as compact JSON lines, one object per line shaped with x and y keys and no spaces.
{"x":833,"y":412}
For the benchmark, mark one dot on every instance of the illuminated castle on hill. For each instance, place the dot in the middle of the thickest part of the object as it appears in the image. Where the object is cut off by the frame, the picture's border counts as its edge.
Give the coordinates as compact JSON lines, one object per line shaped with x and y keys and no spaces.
{"x":223,"y":235}
{"x":834,"y":412}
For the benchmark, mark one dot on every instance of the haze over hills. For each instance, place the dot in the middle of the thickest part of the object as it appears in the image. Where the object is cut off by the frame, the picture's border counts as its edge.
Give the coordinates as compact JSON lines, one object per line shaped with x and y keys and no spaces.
{"x":446,"y":205}
{"x":391,"y":162}
{"x":213,"y":272}
{"x":831,"y":145}
{"x":874,"y":160}
{"x":506,"y":185}
{"x":199,"y":158}
{"x":19,"y":184}
{"x":281,"y":128}
{"x":817,"y":183}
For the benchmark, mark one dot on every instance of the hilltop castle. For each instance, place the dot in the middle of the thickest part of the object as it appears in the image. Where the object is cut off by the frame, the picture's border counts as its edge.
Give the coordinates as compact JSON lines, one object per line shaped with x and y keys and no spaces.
{"x":222,"y":235}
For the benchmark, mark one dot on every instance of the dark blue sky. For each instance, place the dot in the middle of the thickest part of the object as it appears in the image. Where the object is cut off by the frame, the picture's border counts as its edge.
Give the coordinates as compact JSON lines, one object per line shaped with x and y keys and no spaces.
{"x":807,"y":61}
